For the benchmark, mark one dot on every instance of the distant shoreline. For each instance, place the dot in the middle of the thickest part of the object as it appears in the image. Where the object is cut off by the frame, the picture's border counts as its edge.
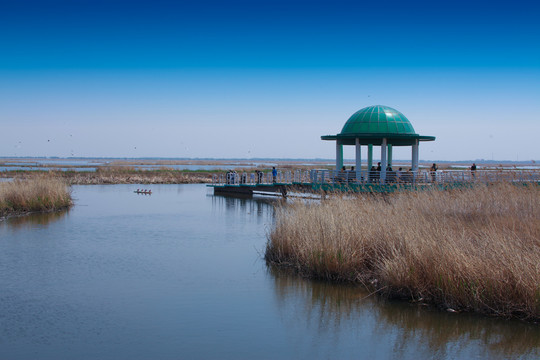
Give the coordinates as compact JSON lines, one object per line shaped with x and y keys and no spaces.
{"x":89,"y":171}
{"x":182,"y":160}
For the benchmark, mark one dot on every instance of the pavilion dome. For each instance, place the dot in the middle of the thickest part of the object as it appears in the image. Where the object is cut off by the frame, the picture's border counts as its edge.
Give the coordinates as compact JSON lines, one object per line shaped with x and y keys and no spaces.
{"x":377,"y":119}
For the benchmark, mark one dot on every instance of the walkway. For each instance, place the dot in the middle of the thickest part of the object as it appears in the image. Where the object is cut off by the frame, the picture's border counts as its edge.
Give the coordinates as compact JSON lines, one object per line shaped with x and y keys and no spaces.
{"x":360,"y":181}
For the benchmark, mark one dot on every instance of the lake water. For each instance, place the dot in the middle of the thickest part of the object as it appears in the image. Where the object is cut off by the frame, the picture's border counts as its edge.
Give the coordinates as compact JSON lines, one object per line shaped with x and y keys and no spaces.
{"x":179,"y":274}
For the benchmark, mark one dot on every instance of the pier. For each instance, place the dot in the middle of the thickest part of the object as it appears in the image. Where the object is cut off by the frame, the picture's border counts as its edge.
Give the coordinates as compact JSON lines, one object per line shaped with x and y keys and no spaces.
{"x":370,"y":127}
{"x":332,"y":181}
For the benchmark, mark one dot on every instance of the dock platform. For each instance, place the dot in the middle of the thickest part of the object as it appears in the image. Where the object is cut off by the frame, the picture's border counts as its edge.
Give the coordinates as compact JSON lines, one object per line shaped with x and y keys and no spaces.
{"x":329,"y":181}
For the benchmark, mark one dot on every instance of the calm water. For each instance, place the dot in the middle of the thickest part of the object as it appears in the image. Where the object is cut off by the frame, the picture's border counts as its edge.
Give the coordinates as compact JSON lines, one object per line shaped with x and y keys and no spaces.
{"x":179,"y":275}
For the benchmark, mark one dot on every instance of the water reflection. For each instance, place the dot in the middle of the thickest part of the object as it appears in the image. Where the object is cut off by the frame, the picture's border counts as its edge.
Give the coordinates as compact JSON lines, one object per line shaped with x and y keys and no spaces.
{"x":181,"y":275}
{"x":437,"y":330}
{"x":409,"y":330}
{"x":262,"y":207}
{"x":31,"y":220}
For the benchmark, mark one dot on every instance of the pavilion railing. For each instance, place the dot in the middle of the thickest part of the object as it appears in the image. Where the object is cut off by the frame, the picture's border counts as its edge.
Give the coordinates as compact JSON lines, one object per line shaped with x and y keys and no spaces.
{"x":320,"y":176}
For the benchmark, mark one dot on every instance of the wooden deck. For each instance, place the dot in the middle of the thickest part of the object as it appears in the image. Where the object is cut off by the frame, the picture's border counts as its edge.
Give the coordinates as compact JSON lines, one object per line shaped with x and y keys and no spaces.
{"x":327,"y":181}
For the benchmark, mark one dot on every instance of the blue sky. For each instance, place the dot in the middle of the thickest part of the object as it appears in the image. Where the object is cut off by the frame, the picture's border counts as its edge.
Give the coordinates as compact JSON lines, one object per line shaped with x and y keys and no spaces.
{"x":265,"y":78}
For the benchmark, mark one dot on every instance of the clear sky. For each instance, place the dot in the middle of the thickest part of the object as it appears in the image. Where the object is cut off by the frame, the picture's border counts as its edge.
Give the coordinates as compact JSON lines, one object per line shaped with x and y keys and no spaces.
{"x":262,"y":78}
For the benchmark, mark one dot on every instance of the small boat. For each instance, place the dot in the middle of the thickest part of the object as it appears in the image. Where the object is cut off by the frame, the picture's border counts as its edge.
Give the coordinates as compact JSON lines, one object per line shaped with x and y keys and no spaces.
{"x":143,"y":191}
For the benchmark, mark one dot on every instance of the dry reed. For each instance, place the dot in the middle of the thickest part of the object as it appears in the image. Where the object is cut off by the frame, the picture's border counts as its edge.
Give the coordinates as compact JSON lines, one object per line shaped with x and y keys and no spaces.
{"x":130,"y":175}
{"x":475,"y":249}
{"x":33,"y":195}
{"x":120,"y":175}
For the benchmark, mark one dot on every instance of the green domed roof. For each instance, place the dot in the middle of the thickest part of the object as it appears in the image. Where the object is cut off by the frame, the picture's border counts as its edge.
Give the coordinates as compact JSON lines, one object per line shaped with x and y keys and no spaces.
{"x":372,"y":124}
{"x":378,"y":119}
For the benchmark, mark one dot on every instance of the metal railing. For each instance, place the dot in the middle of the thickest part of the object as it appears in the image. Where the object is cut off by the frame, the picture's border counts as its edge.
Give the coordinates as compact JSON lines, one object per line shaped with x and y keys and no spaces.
{"x":321,"y":176}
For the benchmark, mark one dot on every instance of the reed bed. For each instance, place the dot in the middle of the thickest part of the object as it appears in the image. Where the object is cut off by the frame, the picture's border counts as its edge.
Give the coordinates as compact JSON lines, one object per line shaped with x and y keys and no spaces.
{"x":121,"y":175}
{"x":474,"y":249}
{"x":38,"y":194}
{"x":131,"y":175}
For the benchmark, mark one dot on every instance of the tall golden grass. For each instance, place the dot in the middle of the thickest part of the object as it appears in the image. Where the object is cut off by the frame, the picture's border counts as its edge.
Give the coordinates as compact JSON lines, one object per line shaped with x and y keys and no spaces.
{"x":130,"y":175}
{"x":475,"y":249}
{"x":119,"y":175}
{"x":36,"y":194}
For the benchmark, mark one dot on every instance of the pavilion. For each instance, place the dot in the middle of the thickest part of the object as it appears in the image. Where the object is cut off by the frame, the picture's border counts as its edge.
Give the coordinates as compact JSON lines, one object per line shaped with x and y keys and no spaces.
{"x":377,"y":125}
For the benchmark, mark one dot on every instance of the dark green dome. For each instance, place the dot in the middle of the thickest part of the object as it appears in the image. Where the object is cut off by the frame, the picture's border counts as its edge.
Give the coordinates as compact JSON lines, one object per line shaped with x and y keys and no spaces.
{"x":378,"y":119}
{"x":372,"y":124}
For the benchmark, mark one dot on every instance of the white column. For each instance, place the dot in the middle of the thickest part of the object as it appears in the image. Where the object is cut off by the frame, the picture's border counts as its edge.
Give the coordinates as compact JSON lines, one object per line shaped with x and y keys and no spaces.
{"x":339,"y":155}
{"x":384,"y":160}
{"x":415,"y":156}
{"x":358,"y":158}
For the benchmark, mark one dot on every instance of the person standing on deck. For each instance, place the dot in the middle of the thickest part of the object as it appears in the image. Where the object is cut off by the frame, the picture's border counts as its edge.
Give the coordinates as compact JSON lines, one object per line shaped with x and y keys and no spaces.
{"x":433,"y":170}
{"x":379,"y":169}
{"x":274,"y":174}
{"x":473,"y":171}
{"x":371,"y":175}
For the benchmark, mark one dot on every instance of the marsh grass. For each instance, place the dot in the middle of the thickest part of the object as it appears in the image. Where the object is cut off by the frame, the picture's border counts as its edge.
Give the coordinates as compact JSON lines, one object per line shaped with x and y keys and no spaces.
{"x":475,"y":249}
{"x":124,"y":175}
{"x":34,"y":195}
{"x":131,"y":175}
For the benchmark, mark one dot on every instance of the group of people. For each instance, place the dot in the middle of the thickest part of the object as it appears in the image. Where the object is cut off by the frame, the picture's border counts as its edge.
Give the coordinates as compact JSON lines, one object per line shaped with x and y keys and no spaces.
{"x":434,"y":168}
{"x":398,"y":176}
{"x":144,"y":191}
{"x":392,"y":176}
{"x":232,"y":177}
{"x":260,"y":176}
{"x":374,"y":174}
{"x":346,"y":175}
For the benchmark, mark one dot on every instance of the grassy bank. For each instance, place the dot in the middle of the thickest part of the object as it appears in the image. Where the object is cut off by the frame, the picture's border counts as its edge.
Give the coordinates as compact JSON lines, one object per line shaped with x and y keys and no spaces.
{"x":34,"y":195}
{"x":129,"y":175}
{"x":119,"y":175}
{"x":473,"y":249}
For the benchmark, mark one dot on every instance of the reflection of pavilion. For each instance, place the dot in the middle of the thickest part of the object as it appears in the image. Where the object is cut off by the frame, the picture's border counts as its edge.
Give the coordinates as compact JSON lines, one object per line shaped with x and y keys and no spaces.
{"x":380,"y":126}
{"x":260,"y":207}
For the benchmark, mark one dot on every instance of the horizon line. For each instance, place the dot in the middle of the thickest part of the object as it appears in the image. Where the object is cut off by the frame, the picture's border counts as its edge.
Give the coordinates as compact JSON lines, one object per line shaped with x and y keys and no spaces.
{"x":257,"y":159}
